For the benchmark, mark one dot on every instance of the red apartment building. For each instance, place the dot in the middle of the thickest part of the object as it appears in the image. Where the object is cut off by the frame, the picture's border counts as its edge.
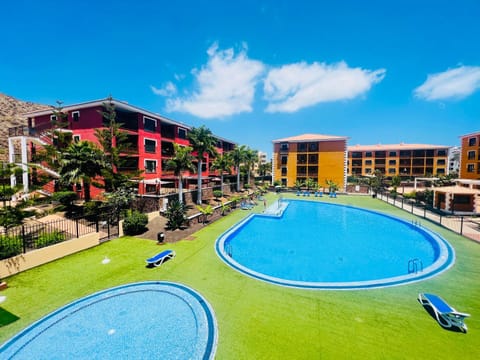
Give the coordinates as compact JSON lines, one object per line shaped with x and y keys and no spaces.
{"x":150,"y":139}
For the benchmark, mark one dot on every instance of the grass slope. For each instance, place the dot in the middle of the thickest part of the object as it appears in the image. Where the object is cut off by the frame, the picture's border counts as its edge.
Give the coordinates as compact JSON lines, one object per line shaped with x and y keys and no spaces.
{"x":257,"y":320}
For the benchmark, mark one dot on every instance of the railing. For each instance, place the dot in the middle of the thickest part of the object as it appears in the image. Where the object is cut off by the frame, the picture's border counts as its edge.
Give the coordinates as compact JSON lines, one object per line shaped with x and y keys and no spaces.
{"x":463,"y":225}
{"x":28,"y":237}
{"x":413,"y":266}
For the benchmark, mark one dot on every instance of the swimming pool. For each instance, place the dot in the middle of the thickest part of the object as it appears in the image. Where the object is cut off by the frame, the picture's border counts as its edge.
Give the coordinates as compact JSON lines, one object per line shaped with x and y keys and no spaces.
{"x":329,"y":246}
{"x":135,"y":321}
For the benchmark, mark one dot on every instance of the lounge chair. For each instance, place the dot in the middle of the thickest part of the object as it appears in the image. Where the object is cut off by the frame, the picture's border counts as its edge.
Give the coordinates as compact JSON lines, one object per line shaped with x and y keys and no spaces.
{"x":160,"y":258}
{"x":446,"y":315}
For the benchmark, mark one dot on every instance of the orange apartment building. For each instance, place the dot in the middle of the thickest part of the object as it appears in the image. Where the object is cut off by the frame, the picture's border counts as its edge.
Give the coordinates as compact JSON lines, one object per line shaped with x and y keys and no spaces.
{"x":314,"y":156}
{"x":409,"y":160}
{"x":470,"y":156}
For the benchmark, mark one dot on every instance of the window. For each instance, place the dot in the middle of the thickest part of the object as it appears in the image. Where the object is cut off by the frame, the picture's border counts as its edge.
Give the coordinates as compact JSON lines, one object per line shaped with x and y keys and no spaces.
{"x":313,"y":147}
{"x":284,"y":146}
{"x":313,"y":159}
{"x":471,"y":155}
{"x":284,"y":171}
{"x":368,"y":162}
{"x":302,"y":147}
{"x":392,"y":162}
{"x":392,"y":153}
{"x":150,"y":166}
{"x":391,"y":170}
{"x":182,"y":133}
{"x":76,"y":115}
{"x":440,"y":171}
{"x":76,"y":138}
{"x":149,"y":124}
{"x":53,"y":118}
{"x":356,"y":155}
{"x":441,"y":162}
{"x":441,"y":153}
{"x":150,"y":145}
{"x":470,"y":167}
{"x":301,"y":159}
{"x":472,"y":141}
{"x":283,"y":160}
{"x":368,"y":171}
{"x":380,"y":154}
{"x":368,"y":154}
{"x":429,"y":153}
{"x":301,"y":170}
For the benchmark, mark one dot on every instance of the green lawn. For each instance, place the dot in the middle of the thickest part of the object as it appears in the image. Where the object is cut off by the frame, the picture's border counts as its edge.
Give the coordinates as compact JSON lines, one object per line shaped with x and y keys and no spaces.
{"x":257,"y":320}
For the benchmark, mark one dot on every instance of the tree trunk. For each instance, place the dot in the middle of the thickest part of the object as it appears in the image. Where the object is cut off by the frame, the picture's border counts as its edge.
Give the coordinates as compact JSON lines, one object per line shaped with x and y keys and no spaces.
{"x":238,"y":178}
{"x":86,"y":190}
{"x":199,"y":183}
{"x":180,"y":190}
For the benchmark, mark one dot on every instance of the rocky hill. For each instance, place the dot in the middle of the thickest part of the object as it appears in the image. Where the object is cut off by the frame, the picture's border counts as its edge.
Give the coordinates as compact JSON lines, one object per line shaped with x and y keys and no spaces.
{"x":11,"y":110}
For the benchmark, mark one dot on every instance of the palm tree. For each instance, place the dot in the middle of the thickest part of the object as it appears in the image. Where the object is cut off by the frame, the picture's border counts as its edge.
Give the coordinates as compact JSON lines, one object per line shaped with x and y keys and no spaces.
{"x":238,"y":157}
{"x":222,"y":163}
{"x":310,"y":183}
{"x":182,"y":160}
{"x":251,"y":156}
{"x":82,"y":161}
{"x":203,"y":142}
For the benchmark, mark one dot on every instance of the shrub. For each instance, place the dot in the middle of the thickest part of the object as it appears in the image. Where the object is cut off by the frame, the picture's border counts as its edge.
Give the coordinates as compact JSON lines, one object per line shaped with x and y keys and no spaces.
{"x":50,"y":238}
{"x":10,"y":245}
{"x":217,"y":194}
{"x":175,"y":214}
{"x":66,"y":198}
{"x":135,"y":222}
{"x":92,"y":209}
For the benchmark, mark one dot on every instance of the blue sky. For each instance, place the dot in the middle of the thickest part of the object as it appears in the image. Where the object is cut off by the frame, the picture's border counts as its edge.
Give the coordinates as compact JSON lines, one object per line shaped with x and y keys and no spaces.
{"x":254,"y":71}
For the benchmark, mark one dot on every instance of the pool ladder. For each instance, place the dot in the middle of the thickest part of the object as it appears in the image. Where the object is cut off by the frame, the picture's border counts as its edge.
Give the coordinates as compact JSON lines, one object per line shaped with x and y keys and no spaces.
{"x":228,"y":249}
{"x":413,"y":265}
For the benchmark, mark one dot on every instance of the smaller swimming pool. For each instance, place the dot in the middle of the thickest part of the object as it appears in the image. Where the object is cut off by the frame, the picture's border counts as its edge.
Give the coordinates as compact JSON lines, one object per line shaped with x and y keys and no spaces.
{"x":135,"y":321}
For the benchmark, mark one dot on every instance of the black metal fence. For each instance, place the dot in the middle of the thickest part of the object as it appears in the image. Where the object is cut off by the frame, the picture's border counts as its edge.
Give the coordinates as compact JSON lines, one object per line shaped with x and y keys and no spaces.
{"x":28,"y":237}
{"x":468,"y":226}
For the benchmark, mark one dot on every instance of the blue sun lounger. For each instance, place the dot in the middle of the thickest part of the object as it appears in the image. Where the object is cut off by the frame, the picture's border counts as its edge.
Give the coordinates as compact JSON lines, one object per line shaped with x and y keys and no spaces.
{"x":160,"y":258}
{"x":446,"y":315}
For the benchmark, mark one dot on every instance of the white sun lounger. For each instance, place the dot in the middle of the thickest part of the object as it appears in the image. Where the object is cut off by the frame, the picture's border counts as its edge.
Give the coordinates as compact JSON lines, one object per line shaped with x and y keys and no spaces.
{"x":160,"y":258}
{"x":446,"y":315}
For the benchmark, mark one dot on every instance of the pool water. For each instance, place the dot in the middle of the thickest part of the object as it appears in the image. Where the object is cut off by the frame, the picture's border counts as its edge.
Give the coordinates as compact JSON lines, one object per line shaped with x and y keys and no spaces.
{"x":135,"y":321}
{"x":322,"y":245}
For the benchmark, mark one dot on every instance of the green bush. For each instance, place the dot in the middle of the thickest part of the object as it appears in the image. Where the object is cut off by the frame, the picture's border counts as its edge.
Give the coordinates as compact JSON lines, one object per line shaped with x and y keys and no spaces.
{"x":135,"y":222}
{"x":10,"y":245}
{"x":217,"y":194}
{"x":50,"y":238}
{"x":175,"y":214}
{"x":92,"y":209}
{"x":66,"y":198}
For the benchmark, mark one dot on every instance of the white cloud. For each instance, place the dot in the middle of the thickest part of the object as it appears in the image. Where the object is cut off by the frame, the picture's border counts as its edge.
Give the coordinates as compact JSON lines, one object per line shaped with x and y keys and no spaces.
{"x":454,"y":83}
{"x":225,"y":85}
{"x":296,"y":86}
{"x":168,"y":89}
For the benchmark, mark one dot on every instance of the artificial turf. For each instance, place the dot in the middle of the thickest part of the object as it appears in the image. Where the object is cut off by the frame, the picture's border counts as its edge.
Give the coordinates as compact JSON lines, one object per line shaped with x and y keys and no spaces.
{"x":257,"y":320}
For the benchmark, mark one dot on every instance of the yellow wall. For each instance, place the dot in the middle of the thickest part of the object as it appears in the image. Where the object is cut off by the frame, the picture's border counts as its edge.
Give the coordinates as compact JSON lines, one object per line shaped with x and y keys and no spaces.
{"x":331,"y":163}
{"x":474,"y":163}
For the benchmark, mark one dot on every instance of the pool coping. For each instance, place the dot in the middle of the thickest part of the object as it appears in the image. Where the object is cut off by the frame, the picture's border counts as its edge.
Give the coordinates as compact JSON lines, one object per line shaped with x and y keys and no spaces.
{"x":446,"y":258}
{"x":47,"y":321}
